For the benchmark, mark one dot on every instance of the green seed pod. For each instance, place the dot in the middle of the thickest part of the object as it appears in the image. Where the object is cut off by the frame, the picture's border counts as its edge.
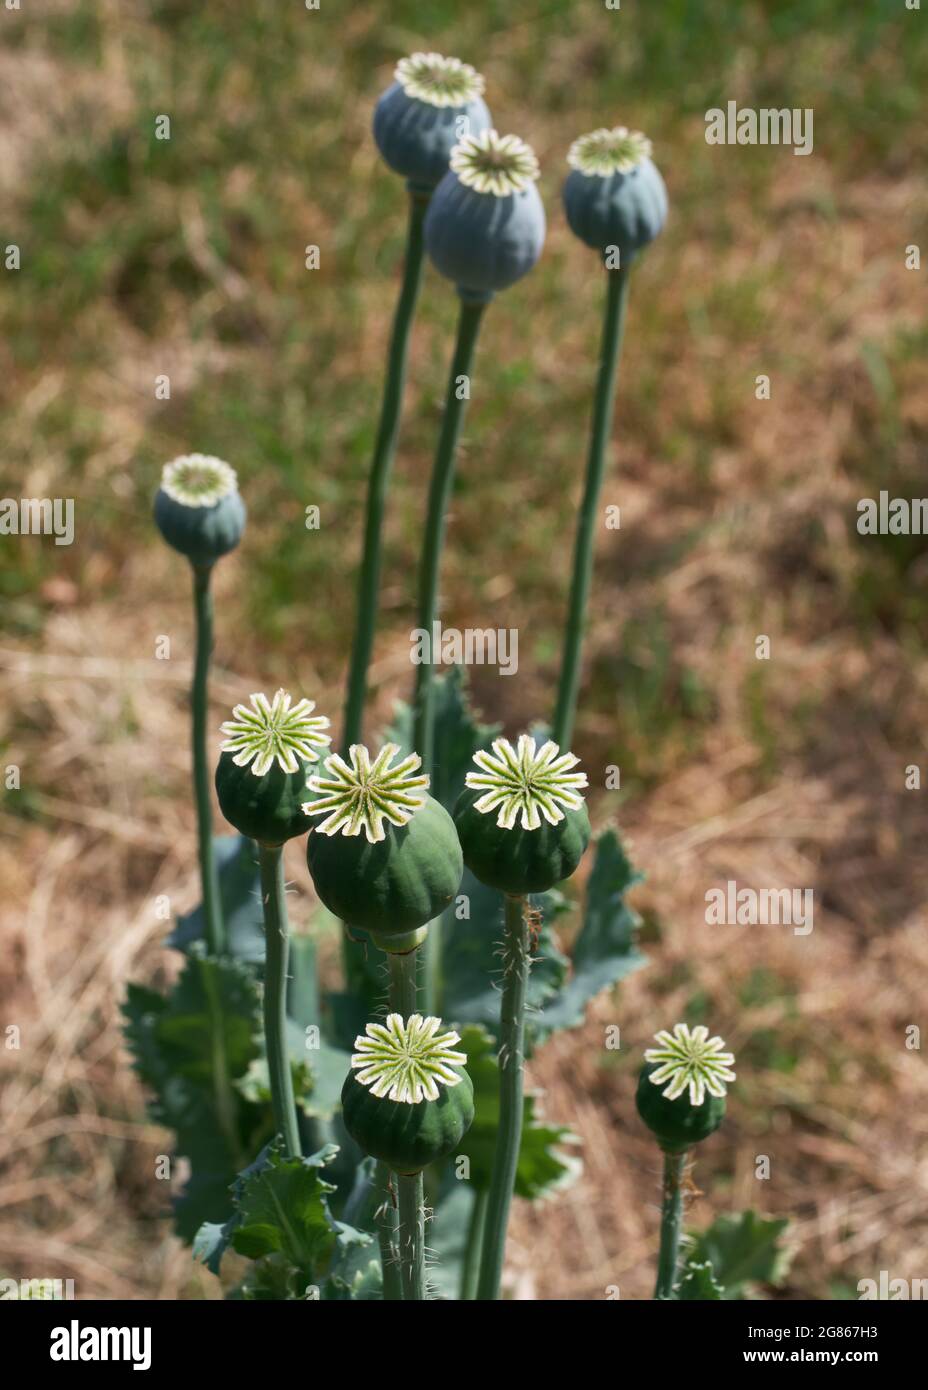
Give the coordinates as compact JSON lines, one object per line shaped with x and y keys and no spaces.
{"x":407,"y":1100}
{"x":261,"y":774}
{"x":681,"y":1087}
{"x":406,"y":866}
{"x":676,"y":1124}
{"x":198,"y":509}
{"x":539,"y":790}
{"x":614,"y":196}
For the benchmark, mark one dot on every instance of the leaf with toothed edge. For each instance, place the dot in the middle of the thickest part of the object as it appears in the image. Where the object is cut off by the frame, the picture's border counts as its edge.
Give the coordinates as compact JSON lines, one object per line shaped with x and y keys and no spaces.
{"x":605,"y":950}
{"x":698,"y":1284}
{"x":283,"y":1223}
{"x":543,"y":1165}
{"x":744,"y":1249}
{"x":240,"y":892}
{"x":212,"y":1009}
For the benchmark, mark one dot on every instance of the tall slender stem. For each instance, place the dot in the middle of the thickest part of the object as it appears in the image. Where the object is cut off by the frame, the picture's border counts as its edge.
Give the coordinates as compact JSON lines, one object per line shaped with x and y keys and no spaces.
{"x":212,"y":905}
{"x":411,"y":1235}
{"x":381,"y":465}
{"x":402,"y":983}
{"x":440,"y":489}
{"x":475,"y":1227}
{"x":671,"y":1221}
{"x":516,"y":963}
{"x":439,"y":496}
{"x":224,"y":1096}
{"x":610,"y":350}
{"x":410,"y":1188}
{"x":277,"y":947}
{"x":385,"y":1221}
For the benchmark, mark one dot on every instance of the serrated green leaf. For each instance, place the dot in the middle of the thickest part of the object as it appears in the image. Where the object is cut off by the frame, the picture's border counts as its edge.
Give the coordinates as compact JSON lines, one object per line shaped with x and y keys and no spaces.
{"x":240,"y":892}
{"x":605,"y":950}
{"x":282,"y":1211}
{"x":364,"y":1285}
{"x":206,"y":1026}
{"x":211,"y":1242}
{"x":470,"y":957}
{"x":698,"y":1284}
{"x":446,"y":1237}
{"x":271,"y":1279}
{"x":327,"y":1067}
{"x":542,"y":1166}
{"x":283,"y":1223}
{"x":744,"y":1248}
{"x":213,"y":1006}
{"x":458,"y":735}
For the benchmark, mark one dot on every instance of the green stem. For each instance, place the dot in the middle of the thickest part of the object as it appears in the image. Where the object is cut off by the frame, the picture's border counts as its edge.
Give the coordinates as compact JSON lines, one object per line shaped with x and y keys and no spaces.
{"x":411,"y":1236}
{"x":381,"y":465}
{"x":277,"y":945}
{"x":671,"y":1220}
{"x":610,"y":350}
{"x":385,"y":1221}
{"x":411,"y":1222}
{"x":223,"y":1095}
{"x":212,"y":906}
{"x":475,"y":1227}
{"x":402,"y":983}
{"x":431,"y":969}
{"x":516,"y":963}
{"x":440,"y":488}
{"x":439,"y":496}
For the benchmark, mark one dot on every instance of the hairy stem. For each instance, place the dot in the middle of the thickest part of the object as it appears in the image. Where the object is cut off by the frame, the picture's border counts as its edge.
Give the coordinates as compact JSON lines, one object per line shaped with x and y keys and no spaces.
{"x":411,"y":1236}
{"x":474,"y":1246}
{"x":411,"y":1223}
{"x":516,"y":964}
{"x":603,"y":402}
{"x":276,"y":934}
{"x":671,"y":1221}
{"x":381,"y":466}
{"x":385,"y":1221}
{"x":212,"y":905}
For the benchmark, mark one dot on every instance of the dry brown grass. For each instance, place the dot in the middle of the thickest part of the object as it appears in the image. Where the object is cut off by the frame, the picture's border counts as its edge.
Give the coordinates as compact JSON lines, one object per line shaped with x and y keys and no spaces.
{"x":801,"y":786}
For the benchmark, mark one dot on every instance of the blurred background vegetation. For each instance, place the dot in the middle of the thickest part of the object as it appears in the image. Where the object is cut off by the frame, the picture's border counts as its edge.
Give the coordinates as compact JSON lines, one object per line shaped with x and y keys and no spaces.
{"x":186,"y":257}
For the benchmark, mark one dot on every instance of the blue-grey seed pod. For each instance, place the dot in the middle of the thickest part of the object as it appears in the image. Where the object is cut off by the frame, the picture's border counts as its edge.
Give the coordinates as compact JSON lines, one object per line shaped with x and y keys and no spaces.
{"x":198,"y":508}
{"x":433,"y":103}
{"x":485,"y":227}
{"x":614,"y":195}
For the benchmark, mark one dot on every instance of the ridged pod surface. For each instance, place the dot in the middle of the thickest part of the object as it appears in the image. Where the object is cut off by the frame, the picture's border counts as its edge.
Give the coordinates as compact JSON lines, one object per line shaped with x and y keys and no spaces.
{"x":627,"y":210}
{"x":394,"y":885}
{"x":676,"y":1124}
{"x":408,"y":1137}
{"x":263,"y":808}
{"x":516,"y":860}
{"x":416,"y":138}
{"x":480,"y":242}
{"x":203,"y":534}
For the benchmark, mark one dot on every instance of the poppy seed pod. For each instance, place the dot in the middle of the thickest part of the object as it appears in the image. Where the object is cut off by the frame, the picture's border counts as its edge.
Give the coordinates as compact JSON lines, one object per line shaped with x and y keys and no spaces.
{"x":485,"y":227}
{"x":407,"y":1100}
{"x":614,"y":195}
{"x":433,"y":102}
{"x":682,"y":1087}
{"x":386,"y":858}
{"x":198,"y":509}
{"x":539,"y":835}
{"x":261,"y":774}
